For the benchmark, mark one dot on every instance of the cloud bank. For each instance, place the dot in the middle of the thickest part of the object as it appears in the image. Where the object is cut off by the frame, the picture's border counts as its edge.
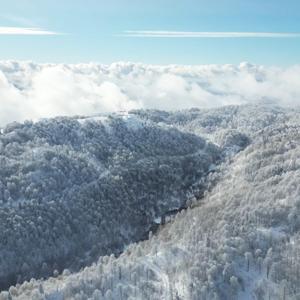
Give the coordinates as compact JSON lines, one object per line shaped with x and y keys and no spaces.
{"x":193,"y":34}
{"x":33,"y":91}
{"x":25,"y":31}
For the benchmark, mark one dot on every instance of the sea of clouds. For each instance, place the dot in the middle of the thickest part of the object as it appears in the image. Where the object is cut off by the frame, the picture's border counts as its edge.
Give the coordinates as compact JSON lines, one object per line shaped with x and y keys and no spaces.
{"x":33,"y":91}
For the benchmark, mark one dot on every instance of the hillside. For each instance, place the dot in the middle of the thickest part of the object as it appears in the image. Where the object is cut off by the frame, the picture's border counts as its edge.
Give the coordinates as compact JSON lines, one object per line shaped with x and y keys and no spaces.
{"x":73,"y":189}
{"x":238,"y":169}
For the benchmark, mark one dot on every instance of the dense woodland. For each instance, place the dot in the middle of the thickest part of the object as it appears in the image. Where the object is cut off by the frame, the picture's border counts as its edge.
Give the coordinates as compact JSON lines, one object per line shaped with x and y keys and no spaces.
{"x":74,"y":189}
{"x":95,"y":186}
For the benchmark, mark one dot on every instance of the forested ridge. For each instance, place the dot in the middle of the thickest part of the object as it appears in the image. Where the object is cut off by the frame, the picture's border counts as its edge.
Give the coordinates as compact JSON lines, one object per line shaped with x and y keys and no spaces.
{"x":237,"y":168}
{"x":74,"y":189}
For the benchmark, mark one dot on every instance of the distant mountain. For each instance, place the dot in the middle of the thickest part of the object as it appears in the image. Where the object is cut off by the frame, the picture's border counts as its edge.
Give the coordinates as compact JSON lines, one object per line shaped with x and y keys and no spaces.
{"x":239,"y":237}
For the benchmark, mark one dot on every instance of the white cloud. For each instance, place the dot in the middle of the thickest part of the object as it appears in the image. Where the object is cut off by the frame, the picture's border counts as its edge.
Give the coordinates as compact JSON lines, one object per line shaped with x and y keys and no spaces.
{"x":25,"y":31}
{"x":32,"y":91}
{"x":195,"y":34}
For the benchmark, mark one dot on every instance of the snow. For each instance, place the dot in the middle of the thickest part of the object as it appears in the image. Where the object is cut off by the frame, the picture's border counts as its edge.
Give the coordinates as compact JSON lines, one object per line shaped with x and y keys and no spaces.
{"x":209,"y":244}
{"x":278,"y":233}
{"x":157,"y":220}
{"x":132,"y":122}
{"x":102,"y":119}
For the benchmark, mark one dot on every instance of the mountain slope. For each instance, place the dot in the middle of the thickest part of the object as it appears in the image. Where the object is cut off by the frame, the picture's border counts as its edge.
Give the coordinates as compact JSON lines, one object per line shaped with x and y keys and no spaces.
{"x":72,"y":189}
{"x":240,"y":240}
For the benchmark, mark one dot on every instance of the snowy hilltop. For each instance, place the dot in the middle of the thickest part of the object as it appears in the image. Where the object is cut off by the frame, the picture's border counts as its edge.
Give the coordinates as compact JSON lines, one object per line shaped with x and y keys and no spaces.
{"x":194,"y":204}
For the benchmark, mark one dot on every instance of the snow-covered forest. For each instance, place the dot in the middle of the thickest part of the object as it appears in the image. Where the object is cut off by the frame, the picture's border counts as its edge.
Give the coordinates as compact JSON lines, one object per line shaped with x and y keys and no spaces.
{"x":195,"y":204}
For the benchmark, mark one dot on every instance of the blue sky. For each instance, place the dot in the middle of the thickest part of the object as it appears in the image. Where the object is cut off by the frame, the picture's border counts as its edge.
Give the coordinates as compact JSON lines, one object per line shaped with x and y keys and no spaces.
{"x":95,"y":31}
